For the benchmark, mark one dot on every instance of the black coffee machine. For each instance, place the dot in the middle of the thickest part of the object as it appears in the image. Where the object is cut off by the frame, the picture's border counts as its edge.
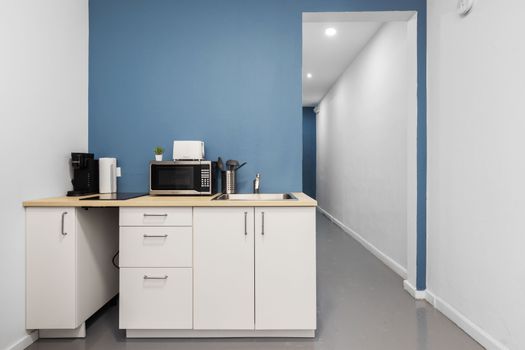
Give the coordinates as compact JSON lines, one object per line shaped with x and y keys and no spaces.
{"x":85,"y":174}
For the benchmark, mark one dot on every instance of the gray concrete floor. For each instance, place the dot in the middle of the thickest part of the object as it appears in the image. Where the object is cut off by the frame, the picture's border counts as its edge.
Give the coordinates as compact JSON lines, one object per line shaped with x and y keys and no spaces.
{"x":361,"y":306}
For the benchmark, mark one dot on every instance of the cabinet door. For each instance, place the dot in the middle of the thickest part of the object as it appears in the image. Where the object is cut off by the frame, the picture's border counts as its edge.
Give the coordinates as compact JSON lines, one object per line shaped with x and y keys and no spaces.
{"x":285,"y":295}
{"x":50,"y":268}
{"x":223,"y":268}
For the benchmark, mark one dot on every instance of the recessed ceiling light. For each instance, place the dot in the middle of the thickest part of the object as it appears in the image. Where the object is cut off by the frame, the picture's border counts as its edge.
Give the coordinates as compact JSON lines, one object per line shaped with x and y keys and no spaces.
{"x":309,"y":75}
{"x":330,"y":31}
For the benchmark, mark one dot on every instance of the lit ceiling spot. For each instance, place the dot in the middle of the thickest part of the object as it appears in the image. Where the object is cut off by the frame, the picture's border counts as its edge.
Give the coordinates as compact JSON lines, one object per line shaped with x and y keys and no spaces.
{"x":330,"y":31}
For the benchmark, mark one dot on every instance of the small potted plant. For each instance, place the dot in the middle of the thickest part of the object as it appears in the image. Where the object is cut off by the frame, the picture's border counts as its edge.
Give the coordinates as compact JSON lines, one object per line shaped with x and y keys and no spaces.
{"x":159,"y":151}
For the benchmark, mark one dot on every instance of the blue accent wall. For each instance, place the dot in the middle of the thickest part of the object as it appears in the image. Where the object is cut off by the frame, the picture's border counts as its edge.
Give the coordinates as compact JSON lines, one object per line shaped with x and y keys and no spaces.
{"x":309,"y":151}
{"x":226,"y":72}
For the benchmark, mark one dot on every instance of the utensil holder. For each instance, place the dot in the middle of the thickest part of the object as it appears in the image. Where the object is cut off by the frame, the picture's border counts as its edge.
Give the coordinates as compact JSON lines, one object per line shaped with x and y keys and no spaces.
{"x":228,"y":178}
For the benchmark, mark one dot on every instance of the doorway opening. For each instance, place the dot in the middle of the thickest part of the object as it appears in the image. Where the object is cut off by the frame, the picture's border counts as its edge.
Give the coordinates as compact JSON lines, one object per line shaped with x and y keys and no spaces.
{"x":360,"y":113}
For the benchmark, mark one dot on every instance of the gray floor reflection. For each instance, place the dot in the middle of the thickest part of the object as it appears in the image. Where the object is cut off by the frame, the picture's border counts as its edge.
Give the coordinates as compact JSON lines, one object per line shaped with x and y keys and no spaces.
{"x":422,"y":327}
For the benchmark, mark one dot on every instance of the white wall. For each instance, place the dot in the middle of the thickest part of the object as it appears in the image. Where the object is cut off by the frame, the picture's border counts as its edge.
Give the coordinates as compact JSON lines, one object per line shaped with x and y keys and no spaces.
{"x":476,"y":168}
{"x":43,"y":116}
{"x":362,"y":145}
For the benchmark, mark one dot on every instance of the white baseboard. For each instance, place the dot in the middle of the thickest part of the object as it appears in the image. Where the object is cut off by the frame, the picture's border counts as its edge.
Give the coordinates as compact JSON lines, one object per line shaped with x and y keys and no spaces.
{"x":417,"y":294}
{"x":24,"y":342}
{"x":430,"y":297}
{"x":478,"y":334}
{"x":400,"y":270}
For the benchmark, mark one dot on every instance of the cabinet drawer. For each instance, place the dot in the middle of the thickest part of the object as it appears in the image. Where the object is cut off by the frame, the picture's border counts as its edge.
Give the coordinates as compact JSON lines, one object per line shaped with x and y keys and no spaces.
{"x":155,"y":247}
{"x":156,"y":216}
{"x":155,"y":298}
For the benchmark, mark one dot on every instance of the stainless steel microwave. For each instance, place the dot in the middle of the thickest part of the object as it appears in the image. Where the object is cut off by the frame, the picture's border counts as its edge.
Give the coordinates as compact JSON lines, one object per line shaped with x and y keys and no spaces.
{"x":187,"y":177}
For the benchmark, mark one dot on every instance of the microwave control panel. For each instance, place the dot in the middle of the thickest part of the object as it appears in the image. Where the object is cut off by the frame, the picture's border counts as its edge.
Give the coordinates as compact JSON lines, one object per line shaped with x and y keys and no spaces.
{"x":205,"y":178}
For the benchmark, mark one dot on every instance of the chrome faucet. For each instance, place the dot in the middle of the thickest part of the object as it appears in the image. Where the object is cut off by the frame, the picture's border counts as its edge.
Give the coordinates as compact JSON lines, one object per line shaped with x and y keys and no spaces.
{"x":257,"y":184}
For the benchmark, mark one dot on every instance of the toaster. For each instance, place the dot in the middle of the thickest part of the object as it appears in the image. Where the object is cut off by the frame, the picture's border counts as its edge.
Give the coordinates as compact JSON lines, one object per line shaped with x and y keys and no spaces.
{"x":188,"y":150}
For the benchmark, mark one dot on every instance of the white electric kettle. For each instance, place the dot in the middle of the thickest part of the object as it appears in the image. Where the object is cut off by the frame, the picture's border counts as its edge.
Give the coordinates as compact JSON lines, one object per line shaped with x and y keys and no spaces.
{"x":107,"y":175}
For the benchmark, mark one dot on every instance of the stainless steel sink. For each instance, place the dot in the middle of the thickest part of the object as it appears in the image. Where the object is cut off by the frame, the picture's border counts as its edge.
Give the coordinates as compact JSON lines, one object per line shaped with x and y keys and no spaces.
{"x":256,"y":197}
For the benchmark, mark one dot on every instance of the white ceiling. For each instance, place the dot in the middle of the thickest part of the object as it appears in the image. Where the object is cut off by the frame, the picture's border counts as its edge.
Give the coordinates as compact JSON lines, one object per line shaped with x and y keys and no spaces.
{"x":326,"y":58}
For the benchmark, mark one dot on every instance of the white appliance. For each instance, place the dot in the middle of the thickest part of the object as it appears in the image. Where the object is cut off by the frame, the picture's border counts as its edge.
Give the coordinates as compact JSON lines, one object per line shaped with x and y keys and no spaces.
{"x":107,"y":175}
{"x":188,"y":150}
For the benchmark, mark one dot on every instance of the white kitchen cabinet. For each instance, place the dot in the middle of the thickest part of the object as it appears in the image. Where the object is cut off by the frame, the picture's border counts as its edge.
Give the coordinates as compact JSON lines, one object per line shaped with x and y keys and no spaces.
{"x":155,"y":298}
{"x":51,"y":250}
{"x":223,"y":268}
{"x":254,"y":268}
{"x":285,"y":268}
{"x":217,"y":271}
{"x":69,"y":274}
{"x":156,"y":276}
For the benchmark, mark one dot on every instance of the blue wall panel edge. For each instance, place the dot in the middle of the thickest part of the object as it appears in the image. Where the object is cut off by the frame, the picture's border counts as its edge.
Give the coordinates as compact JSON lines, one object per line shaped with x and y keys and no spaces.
{"x":309,"y":151}
{"x":421,"y":258}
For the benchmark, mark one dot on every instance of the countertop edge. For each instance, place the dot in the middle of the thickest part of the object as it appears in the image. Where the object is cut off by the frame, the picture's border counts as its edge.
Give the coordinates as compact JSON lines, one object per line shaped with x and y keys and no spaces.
{"x":303,"y":200}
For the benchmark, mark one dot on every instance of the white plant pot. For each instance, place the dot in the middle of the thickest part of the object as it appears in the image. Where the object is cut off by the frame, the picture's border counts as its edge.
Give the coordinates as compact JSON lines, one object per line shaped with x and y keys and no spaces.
{"x":158,"y":157}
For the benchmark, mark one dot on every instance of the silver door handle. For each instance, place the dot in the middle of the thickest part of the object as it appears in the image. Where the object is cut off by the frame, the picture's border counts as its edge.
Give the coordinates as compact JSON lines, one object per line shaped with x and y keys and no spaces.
{"x":146,"y":277}
{"x":155,"y":236}
{"x":245,"y":223}
{"x":262,"y":214}
{"x":155,"y":214}
{"x":62,"y":227}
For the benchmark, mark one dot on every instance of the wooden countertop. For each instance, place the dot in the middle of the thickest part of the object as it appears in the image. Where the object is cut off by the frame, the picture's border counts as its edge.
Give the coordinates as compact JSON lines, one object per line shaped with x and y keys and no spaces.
{"x":169,"y":201}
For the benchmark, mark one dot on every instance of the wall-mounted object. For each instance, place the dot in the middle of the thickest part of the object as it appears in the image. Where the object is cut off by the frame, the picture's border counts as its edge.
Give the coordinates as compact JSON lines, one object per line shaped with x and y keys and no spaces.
{"x":464,"y":7}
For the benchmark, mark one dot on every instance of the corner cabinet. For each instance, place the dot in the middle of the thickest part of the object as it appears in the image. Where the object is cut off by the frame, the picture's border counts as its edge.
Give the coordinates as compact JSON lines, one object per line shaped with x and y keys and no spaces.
{"x":69,"y":275}
{"x":255,"y":269}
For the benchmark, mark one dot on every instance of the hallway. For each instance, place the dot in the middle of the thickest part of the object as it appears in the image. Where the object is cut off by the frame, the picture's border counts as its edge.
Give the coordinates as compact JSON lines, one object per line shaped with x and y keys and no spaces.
{"x":361,"y":306}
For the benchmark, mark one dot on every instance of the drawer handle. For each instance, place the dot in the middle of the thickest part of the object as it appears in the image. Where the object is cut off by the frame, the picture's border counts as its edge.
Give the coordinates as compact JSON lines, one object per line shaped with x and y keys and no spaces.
{"x":155,"y":236}
{"x":145,"y":214}
{"x":62,"y":226}
{"x":146,"y":277}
